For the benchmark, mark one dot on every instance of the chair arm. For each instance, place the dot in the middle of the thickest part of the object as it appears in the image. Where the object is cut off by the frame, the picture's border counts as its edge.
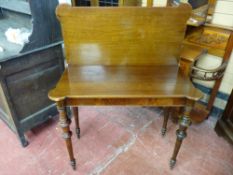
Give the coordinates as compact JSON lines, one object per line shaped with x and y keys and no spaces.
{"x":208,"y":74}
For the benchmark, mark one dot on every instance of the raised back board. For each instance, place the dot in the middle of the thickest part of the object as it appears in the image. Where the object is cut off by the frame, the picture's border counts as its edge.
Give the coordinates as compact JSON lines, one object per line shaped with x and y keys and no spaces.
{"x":123,"y":35}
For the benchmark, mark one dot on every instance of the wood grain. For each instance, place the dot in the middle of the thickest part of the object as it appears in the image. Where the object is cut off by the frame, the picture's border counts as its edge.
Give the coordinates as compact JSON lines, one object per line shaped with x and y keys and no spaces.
{"x":98,"y":82}
{"x":124,"y":56}
{"x":123,"y":35}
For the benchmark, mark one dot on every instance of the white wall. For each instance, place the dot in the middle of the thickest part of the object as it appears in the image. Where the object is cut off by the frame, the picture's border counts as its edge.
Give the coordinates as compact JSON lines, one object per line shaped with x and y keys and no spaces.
{"x":227,"y":82}
{"x":64,"y":1}
{"x":223,"y":14}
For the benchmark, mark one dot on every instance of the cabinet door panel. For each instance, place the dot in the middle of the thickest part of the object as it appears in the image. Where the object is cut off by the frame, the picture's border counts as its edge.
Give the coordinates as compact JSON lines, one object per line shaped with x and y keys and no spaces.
{"x":28,"y":89}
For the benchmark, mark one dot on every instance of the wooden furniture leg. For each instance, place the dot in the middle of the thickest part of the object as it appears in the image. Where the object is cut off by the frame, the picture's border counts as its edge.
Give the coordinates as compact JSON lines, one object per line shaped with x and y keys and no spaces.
{"x":76,"y":119}
{"x":165,"y":120}
{"x":64,"y":123}
{"x":184,"y":123}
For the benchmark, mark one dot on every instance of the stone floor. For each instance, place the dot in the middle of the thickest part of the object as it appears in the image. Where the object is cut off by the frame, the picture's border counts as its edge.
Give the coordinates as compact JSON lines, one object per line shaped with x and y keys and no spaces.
{"x":117,"y":141}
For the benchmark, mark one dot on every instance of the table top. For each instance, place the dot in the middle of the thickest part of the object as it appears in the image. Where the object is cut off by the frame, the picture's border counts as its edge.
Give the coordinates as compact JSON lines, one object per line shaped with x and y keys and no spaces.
{"x":124,"y":82}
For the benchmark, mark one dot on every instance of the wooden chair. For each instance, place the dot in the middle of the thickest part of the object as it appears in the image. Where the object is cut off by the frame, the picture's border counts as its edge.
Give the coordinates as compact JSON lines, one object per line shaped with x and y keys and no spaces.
{"x":129,"y":58}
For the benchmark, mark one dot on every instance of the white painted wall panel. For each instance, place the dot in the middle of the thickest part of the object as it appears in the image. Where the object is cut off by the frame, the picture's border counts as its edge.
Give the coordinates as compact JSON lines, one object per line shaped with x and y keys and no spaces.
{"x":159,"y":3}
{"x":227,"y":83}
{"x":64,"y":1}
{"x":225,"y":7}
{"x":230,"y":65}
{"x":222,"y":19}
{"x":156,"y":3}
{"x":223,"y":14}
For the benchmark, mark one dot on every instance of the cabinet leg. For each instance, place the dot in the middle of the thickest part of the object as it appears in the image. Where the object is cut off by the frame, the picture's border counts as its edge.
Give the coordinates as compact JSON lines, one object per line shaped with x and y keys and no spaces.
{"x":184,"y":123}
{"x":165,"y":120}
{"x":64,"y":123}
{"x":76,"y":119}
{"x":22,"y":139}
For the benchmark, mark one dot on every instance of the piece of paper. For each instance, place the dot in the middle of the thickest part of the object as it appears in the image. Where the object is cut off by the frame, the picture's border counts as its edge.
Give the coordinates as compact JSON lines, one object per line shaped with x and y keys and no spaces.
{"x":17,"y":36}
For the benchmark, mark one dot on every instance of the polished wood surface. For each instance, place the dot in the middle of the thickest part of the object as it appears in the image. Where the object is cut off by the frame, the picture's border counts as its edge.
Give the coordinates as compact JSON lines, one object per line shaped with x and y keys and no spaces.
{"x":212,"y":4}
{"x":166,"y":113}
{"x":198,"y":16}
{"x":127,"y":36}
{"x":124,"y":56}
{"x":76,"y":119}
{"x":64,"y":123}
{"x":213,"y":39}
{"x":188,"y":56}
{"x":98,"y":82}
{"x":181,"y":133}
{"x":192,"y":53}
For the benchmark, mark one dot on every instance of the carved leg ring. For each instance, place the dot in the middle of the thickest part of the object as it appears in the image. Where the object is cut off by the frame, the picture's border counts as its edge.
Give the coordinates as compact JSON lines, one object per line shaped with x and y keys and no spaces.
{"x":165,"y":120}
{"x":64,"y":123}
{"x":184,"y":123}
{"x":76,"y":119}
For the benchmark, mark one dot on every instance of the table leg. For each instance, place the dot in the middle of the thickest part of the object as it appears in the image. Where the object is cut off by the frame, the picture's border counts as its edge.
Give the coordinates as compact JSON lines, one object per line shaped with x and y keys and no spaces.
{"x":165,"y":120}
{"x":184,"y":123}
{"x":76,"y":119}
{"x":64,"y":123}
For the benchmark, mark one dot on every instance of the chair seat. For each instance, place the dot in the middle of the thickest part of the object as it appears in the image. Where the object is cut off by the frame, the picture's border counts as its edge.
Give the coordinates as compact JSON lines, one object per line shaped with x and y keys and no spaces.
{"x":124,"y":82}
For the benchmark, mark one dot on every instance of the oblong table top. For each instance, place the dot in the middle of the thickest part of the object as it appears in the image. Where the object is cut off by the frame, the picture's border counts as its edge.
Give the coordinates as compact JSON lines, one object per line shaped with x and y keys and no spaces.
{"x":124,"y":82}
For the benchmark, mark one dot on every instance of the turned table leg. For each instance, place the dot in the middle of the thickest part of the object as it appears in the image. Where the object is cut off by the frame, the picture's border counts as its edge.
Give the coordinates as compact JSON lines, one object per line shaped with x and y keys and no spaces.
{"x":76,"y":119}
{"x":64,"y":123}
{"x":165,"y":120}
{"x":184,"y":123}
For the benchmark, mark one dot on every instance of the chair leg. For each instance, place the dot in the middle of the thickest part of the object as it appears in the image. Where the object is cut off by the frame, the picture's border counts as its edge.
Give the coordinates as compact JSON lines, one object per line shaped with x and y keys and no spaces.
{"x":184,"y":123}
{"x":76,"y":119}
{"x":64,"y":123}
{"x":165,"y":120}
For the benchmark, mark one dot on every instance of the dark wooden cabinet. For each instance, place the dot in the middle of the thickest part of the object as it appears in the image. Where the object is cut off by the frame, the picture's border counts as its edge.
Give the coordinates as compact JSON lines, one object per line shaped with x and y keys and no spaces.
{"x":27,"y":72}
{"x":224,"y":126}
